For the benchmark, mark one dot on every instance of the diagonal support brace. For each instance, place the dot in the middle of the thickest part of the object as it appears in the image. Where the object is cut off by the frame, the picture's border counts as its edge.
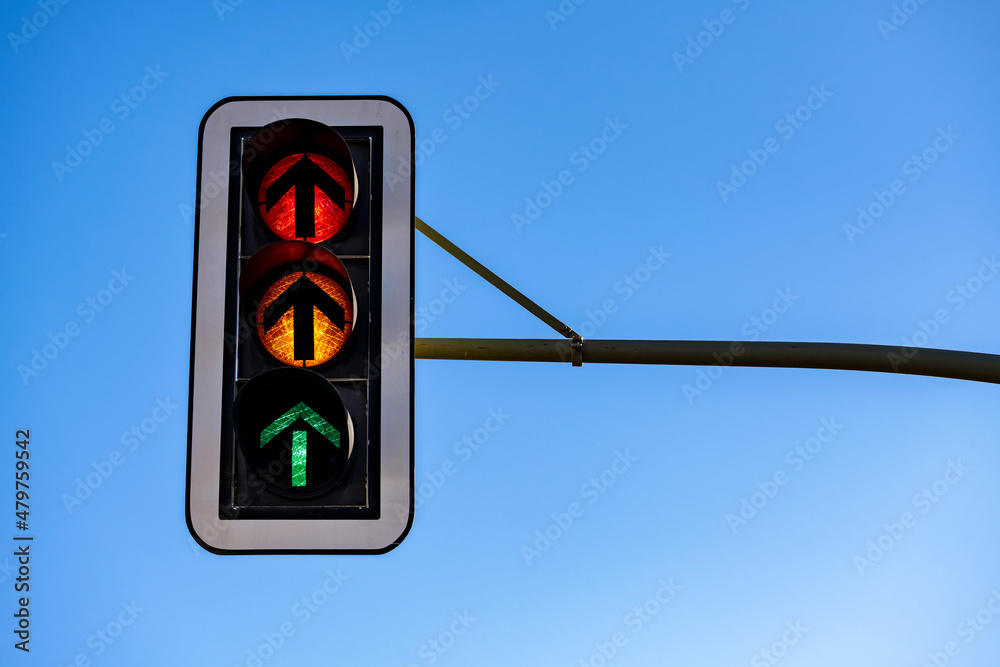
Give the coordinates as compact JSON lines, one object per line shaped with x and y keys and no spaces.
{"x":498,"y":282}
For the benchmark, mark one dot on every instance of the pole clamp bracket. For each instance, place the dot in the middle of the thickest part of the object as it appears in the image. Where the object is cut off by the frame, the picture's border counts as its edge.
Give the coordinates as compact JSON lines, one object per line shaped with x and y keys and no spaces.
{"x":577,"y":347}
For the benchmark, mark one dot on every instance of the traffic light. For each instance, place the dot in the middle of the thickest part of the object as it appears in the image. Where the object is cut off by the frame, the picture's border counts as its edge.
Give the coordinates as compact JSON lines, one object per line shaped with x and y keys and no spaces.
{"x":300,"y":431}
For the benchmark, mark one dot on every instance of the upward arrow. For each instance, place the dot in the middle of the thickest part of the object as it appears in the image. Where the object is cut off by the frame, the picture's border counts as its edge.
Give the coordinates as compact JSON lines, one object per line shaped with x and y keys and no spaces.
{"x":303,"y":296}
{"x":299,"y":449}
{"x":305,"y":176}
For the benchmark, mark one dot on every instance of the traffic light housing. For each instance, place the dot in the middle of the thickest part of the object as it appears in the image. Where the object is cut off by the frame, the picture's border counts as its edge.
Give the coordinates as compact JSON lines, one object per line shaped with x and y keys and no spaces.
{"x":301,"y":392}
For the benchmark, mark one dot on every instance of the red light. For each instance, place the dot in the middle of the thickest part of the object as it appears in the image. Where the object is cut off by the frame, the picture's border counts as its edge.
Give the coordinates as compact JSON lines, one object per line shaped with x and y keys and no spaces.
{"x":331,"y":196}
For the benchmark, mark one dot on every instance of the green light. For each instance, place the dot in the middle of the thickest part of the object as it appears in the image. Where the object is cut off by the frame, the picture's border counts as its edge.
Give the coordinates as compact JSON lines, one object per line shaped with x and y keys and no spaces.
{"x":309,"y":416}
{"x":299,"y":458}
{"x":300,"y":411}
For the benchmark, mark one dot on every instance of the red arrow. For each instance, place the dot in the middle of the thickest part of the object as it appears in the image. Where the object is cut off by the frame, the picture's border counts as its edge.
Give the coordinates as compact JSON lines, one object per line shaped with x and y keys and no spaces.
{"x":305,"y":176}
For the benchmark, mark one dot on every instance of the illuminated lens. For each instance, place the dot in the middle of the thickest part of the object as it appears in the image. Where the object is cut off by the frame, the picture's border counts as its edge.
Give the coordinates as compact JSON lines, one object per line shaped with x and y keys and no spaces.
{"x":325,"y":313}
{"x":302,"y":182}
{"x":300,"y":438}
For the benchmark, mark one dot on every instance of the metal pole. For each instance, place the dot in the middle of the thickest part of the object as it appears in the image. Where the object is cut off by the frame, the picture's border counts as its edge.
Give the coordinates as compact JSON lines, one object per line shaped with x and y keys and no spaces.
{"x":953,"y":364}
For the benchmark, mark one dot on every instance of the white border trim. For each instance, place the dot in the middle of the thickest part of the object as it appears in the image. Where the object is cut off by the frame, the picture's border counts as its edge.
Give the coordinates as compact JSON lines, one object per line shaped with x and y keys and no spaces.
{"x":396,"y":481}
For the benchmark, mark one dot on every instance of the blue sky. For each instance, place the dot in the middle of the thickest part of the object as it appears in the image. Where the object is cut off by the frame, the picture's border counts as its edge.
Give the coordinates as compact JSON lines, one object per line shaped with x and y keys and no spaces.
{"x":815,"y":172}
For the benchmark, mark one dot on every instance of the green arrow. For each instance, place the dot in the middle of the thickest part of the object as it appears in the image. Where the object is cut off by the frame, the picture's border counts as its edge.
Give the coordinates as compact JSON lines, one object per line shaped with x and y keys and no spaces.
{"x":298,"y":458}
{"x":304,"y":412}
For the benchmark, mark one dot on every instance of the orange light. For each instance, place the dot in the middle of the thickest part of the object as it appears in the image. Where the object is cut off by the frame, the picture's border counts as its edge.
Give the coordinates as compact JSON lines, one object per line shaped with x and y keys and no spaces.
{"x":299,"y":300}
{"x":309,"y":180}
